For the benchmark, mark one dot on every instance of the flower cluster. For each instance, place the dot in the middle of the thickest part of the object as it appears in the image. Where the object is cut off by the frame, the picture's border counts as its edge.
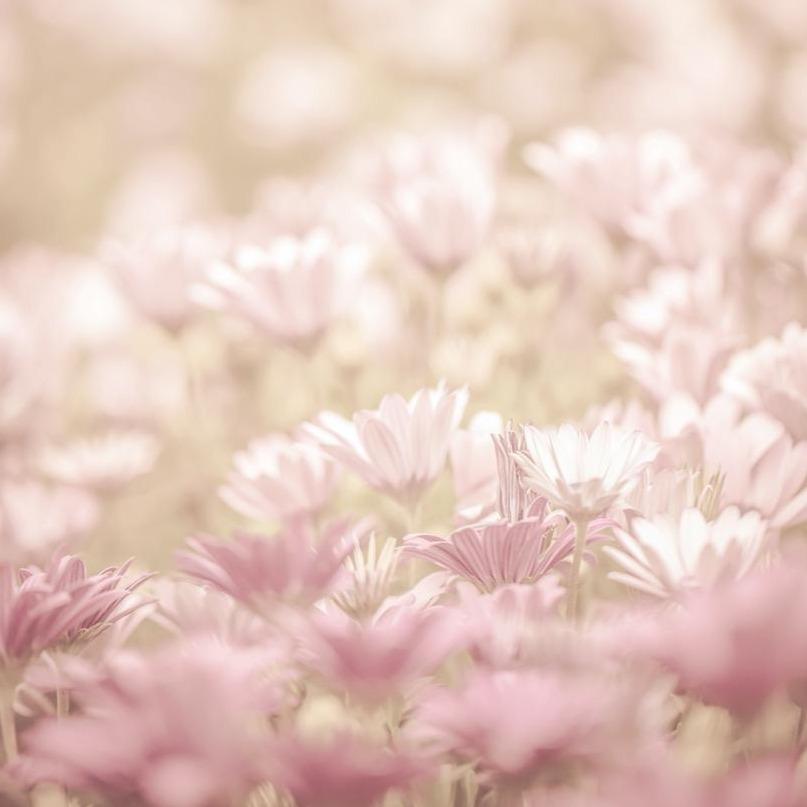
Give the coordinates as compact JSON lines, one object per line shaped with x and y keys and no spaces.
{"x":441,"y":370}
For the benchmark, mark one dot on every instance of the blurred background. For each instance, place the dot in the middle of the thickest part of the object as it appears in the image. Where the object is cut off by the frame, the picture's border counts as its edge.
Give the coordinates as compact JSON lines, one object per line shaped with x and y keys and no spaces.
{"x":249,"y":118}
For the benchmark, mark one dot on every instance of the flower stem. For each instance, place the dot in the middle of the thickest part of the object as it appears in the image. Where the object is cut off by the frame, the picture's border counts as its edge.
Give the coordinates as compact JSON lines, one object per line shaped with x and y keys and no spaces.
{"x":8,"y":729}
{"x":572,"y":605}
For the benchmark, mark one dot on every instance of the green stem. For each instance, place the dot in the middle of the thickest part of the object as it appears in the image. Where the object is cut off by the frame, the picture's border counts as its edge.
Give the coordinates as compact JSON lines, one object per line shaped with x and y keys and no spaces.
{"x":572,"y":606}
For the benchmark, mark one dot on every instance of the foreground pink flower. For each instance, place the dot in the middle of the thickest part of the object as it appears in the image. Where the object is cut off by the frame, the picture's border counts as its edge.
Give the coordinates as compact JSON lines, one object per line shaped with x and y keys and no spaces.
{"x":292,"y":567}
{"x":384,"y":656}
{"x":738,"y":644}
{"x":293,"y":290}
{"x":505,"y":627}
{"x":400,"y":448}
{"x":520,"y":726}
{"x":59,"y":604}
{"x":663,"y":556}
{"x":583,"y":474}
{"x":499,"y":553}
{"x":342,"y":771}
{"x":182,"y":727}
{"x":278,"y":479}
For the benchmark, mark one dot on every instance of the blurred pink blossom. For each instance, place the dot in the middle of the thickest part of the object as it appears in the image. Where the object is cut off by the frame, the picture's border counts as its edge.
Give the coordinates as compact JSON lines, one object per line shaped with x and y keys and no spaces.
{"x":293,"y":290}
{"x":277,"y":478}
{"x":399,"y":448}
{"x":177,"y":728}
{"x":293,"y":567}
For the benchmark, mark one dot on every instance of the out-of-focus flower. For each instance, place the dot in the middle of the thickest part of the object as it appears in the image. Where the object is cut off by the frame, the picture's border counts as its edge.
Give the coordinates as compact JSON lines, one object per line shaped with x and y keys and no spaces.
{"x":772,"y":376}
{"x":382,"y":657}
{"x":293,"y":567}
{"x":617,"y":178}
{"x":370,"y":574}
{"x":294,"y":289}
{"x":103,"y":463}
{"x":341,"y":771}
{"x":36,"y":519}
{"x":761,"y":467}
{"x":399,"y":448}
{"x":583,"y":474}
{"x":687,"y":360}
{"x":277,"y":478}
{"x":505,"y":626}
{"x":473,"y":467}
{"x":439,"y":196}
{"x":59,"y":604}
{"x":181,"y":727}
{"x":132,"y":392}
{"x":198,"y":613}
{"x":498,"y":554}
{"x":737,"y":644}
{"x":665,"y":555}
{"x":534,"y":254}
{"x":520,"y":725}
{"x":293,"y":97}
{"x":158,"y":272}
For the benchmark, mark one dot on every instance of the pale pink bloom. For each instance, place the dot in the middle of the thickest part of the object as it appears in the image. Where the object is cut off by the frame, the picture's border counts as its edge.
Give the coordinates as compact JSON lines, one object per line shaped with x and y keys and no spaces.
{"x":761,"y":467}
{"x":772,"y":377}
{"x":104,"y":462}
{"x":667,"y":554}
{"x":439,"y":195}
{"x":670,"y":491}
{"x":277,"y":478}
{"x":583,"y":474}
{"x":505,"y":626}
{"x":688,"y":359}
{"x":158,"y":272}
{"x":535,"y":254}
{"x":501,"y":553}
{"x":677,"y":294}
{"x":616,"y":178}
{"x":737,"y":644}
{"x":400,"y":448}
{"x":182,"y":727}
{"x":473,"y":467}
{"x":517,"y":725}
{"x":341,"y":771}
{"x":384,"y":656}
{"x":199,"y":613}
{"x":59,"y":604}
{"x":292,"y":567}
{"x":514,"y":501}
{"x":36,"y":518}
{"x":293,"y":290}
{"x":370,"y":574}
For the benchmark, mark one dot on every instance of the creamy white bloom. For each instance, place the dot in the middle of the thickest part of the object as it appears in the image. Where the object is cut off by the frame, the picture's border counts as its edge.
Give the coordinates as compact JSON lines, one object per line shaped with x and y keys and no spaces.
{"x":584,"y":474}
{"x":665,"y":555}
